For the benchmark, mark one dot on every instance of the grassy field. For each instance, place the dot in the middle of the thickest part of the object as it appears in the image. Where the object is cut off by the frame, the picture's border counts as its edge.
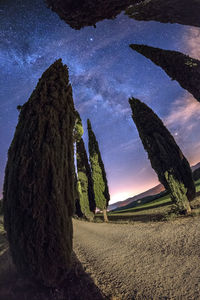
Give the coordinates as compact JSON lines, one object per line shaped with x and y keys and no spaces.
{"x":155,"y":210}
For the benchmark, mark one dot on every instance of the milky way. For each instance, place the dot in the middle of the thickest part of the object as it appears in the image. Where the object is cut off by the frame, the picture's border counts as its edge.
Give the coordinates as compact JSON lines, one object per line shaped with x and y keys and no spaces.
{"x":104,"y":73}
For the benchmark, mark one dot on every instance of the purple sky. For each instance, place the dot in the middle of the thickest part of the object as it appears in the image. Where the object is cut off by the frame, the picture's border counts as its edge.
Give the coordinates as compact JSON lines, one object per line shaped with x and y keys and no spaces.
{"x":104,"y":73}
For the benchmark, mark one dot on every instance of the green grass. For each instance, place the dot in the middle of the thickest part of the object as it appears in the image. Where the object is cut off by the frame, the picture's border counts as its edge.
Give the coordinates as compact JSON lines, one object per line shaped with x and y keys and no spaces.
{"x":160,"y":202}
{"x":165,"y":200}
{"x":197,"y":184}
{"x":151,"y":211}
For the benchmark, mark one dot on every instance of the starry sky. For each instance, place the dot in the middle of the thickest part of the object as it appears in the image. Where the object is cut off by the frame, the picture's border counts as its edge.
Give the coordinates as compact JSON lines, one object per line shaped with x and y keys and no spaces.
{"x":104,"y":73}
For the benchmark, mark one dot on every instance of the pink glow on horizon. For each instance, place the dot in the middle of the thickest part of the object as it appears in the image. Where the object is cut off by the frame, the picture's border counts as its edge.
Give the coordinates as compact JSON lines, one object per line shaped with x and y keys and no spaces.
{"x":117,"y":194}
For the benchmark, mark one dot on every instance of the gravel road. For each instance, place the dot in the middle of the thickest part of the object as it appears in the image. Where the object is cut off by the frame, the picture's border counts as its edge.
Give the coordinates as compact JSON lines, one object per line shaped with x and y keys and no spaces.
{"x":143,"y":260}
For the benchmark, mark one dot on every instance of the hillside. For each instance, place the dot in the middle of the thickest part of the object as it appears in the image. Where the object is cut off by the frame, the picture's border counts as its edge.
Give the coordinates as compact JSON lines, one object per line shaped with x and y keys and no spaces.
{"x":142,"y":201}
{"x":153,"y":191}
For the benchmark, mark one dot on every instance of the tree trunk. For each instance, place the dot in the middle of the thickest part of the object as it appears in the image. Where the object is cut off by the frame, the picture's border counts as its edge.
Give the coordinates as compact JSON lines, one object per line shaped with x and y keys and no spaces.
{"x":105,"y":217}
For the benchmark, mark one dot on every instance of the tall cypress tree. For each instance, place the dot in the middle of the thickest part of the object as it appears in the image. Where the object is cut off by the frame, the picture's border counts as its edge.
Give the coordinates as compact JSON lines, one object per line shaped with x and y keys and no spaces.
{"x":78,"y":127}
{"x":180,"y":67}
{"x":77,"y":134}
{"x":85,"y":182}
{"x":166,"y":158}
{"x":38,"y":186}
{"x":87,"y":199}
{"x":77,"y":195}
{"x":101,"y":191}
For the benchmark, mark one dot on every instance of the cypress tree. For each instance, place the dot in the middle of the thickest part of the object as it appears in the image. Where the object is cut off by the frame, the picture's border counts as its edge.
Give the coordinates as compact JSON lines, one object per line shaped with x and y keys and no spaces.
{"x":38,"y":186}
{"x":166,"y":158}
{"x":88,"y":12}
{"x":178,"y":66}
{"x":101,"y":191}
{"x":78,"y":210}
{"x":78,"y":128}
{"x":87,"y":201}
{"x":168,"y":11}
{"x":77,"y":134}
{"x":84,"y":184}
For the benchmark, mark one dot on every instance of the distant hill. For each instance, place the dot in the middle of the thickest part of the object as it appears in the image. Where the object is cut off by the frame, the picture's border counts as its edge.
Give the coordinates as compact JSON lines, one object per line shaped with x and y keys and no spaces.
{"x":197,"y":166}
{"x":196,"y":171}
{"x":153,"y":191}
{"x":142,"y":201}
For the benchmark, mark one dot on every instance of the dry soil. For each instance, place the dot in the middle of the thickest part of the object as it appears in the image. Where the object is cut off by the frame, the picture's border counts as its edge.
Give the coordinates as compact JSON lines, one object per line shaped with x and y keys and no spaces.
{"x":141,"y":261}
{"x":157,"y":260}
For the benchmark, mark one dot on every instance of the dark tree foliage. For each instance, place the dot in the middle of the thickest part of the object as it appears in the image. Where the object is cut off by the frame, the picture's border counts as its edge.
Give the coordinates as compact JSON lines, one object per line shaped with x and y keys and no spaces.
{"x":78,"y":128}
{"x":101,"y":191}
{"x":178,"y":66}
{"x":1,"y":206}
{"x":79,"y":13}
{"x":78,"y":210}
{"x":166,"y":11}
{"x":84,"y":184}
{"x":87,"y":201}
{"x":38,"y":186}
{"x":166,"y":158}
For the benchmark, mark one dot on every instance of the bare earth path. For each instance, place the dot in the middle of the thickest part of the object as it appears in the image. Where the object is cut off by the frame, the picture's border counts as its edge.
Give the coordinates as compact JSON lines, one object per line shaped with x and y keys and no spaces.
{"x":142,"y":261}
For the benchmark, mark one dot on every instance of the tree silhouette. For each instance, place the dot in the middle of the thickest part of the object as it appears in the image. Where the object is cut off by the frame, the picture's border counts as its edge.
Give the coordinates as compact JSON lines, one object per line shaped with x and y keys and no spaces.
{"x":166,"y":158}
{"x":101,"y":191}
{"x":38,"y":186}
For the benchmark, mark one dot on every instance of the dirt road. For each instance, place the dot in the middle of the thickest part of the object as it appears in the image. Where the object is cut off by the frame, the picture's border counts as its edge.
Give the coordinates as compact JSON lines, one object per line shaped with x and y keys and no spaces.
{"x":142,"y":261}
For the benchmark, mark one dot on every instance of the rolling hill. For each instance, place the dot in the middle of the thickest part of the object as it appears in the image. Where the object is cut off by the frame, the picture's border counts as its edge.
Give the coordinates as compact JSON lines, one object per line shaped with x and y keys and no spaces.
{"x":153,"y":191}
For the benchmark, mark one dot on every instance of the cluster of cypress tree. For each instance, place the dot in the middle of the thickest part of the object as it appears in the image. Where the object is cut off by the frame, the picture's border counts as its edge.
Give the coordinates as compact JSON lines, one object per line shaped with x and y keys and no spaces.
{"x":84,"y":189}
{"x":41,"y":187}
{"x":166,"y":158}
{"x":38,"y":198}
{"x":92,"y":186}
{"x":88,"y":12}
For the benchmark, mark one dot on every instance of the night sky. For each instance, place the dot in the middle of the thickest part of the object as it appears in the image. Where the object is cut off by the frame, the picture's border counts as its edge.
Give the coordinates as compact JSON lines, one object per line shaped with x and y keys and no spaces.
{"x":104,"y":73}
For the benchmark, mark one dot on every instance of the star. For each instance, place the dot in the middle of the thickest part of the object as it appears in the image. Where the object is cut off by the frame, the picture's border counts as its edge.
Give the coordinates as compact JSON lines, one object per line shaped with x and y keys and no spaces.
{"x":104,"y":73}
